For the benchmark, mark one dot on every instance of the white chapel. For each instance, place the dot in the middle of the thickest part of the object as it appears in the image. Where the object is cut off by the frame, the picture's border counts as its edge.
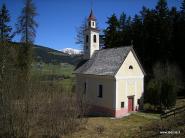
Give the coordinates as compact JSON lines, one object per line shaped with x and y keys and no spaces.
{"x":112,"y":80}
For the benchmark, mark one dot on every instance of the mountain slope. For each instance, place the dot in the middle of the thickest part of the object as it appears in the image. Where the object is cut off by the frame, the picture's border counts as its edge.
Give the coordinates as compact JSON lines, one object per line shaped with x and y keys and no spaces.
{"x":48,"y":55}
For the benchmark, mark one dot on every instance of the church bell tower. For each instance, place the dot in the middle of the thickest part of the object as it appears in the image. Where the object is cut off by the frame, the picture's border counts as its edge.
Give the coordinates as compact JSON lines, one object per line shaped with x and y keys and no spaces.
{"x":91,"y":42}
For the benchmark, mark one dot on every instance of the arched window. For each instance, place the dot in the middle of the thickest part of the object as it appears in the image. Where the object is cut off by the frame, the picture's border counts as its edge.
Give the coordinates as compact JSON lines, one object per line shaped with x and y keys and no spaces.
{"x":130,"y":67}
{"x":100,"y":91}
{"x":87,"y":38}
{"x":94,"y":38}
{"x":85,"y":87}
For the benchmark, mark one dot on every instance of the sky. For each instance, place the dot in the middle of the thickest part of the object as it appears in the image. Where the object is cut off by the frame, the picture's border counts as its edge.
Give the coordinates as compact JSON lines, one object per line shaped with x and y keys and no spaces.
{"x":58,"y":20}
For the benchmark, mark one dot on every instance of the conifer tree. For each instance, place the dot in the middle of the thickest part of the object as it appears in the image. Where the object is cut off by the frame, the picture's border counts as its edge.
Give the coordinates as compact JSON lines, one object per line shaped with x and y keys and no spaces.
{"x":180,"y":41}
{"x":81,"y":33}
{"x":137,"y":35}
{"x":164,"y":27}
{"x":122,"y":21}
{"x":111,"y":32}
{"x":27,"y":25}
{"x":122,"y":29}
{"x":5,"y":29}
{"x":162,"y":8}
{"x":183,"y":7}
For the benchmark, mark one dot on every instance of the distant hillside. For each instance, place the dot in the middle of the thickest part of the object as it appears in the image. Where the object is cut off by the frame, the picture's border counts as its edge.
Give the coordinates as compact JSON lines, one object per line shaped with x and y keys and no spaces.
{"x":49,"y":55}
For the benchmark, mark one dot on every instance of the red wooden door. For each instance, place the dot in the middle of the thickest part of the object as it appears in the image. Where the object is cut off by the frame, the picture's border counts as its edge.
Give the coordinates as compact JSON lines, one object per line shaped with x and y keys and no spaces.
{"x":130,"y":104}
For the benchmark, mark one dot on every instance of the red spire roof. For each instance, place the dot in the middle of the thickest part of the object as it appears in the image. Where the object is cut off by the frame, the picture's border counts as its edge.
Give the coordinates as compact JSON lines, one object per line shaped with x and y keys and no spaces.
{"x":91,"y":16}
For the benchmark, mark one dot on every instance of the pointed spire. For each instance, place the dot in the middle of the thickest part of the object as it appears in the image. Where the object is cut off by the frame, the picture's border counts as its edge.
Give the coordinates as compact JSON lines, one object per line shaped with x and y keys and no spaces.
{"x":91,"y":16}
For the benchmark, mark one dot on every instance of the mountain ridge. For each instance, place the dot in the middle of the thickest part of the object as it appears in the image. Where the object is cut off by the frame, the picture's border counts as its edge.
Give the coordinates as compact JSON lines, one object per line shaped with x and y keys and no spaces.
{"x":49,"y":55}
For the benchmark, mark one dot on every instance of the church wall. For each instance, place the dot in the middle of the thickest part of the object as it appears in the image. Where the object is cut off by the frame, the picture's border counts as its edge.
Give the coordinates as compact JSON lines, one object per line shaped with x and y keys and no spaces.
{"x":129,"y":83}
{"x":124,"y":70}
{"x":92,"y":83}
{"x":128,"y":87}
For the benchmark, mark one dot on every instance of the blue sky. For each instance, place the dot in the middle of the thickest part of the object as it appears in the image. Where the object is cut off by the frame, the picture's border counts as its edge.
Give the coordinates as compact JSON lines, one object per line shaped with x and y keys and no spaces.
{"x":58,"y":19}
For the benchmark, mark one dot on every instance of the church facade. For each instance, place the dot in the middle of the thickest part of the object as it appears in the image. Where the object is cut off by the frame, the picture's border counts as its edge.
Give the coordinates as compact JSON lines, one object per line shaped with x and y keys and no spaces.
{"x":112,"y":80}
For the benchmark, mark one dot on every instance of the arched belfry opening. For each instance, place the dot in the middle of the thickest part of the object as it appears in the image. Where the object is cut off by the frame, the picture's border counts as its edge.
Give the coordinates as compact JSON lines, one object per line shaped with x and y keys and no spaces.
{"x":91,"y":37}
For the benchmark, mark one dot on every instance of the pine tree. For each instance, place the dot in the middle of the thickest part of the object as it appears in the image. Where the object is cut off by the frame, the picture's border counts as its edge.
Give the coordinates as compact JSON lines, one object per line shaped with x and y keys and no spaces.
{"x":122,"y":21}
{"x":174,"y":19}
{"x":5,"y":29}
{"x":111,"y":32}
{"x":81,"y":33}
{"x":162,"y":8}
{"x":128,"y":38}
{"x":148,"y":39}
{"x":180,"y":33}
{"x":26,"y":25}
{"x":122,"y":29}
{"x":164,"y":28}
{"x":137,"y":36}
{"x":183,"y":7}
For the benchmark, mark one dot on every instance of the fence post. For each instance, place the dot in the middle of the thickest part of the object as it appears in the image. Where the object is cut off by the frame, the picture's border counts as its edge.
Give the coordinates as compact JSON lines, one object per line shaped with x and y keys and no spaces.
{"x":172,"y":112}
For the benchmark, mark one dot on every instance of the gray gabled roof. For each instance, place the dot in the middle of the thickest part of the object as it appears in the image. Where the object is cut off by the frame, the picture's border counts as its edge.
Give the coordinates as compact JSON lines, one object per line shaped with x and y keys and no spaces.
{"x":105,"y":61}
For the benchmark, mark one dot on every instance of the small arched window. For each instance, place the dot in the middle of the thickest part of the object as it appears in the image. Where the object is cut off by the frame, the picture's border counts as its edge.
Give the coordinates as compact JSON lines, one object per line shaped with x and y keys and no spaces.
{"x":93,"y":23}
{"x":87,"y":38}
{"x":130,"y":67}
{"x":85,"y":87}
{"x":94,"y":38}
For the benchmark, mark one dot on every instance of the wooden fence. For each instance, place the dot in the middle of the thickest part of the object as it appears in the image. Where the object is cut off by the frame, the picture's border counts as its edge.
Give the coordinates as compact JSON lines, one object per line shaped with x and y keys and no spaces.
{"x":173,"y":112}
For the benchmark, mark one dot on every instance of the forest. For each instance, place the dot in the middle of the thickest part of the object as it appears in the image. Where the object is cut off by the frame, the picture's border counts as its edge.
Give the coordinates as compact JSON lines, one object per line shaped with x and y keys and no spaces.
{"x":158,"y":37}
{"x":157,"y":34}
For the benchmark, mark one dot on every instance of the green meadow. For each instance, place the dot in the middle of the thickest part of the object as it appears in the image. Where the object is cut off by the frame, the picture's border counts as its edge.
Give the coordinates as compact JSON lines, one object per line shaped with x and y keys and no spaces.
{"x":56,"y":74}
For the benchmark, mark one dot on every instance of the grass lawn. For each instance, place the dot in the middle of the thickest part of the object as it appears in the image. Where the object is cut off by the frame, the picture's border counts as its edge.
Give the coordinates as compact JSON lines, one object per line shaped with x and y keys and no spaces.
{"x":67,"y":84}
{"x":136,"y":125}
{"x":106,"y":127}
{"x":56,"y":74}
{"x":53,"y":69}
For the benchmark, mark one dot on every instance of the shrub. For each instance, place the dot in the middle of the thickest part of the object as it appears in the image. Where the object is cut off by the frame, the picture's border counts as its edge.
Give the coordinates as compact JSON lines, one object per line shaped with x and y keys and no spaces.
{"x":149,"y":107}
{"x":163,"y":87}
